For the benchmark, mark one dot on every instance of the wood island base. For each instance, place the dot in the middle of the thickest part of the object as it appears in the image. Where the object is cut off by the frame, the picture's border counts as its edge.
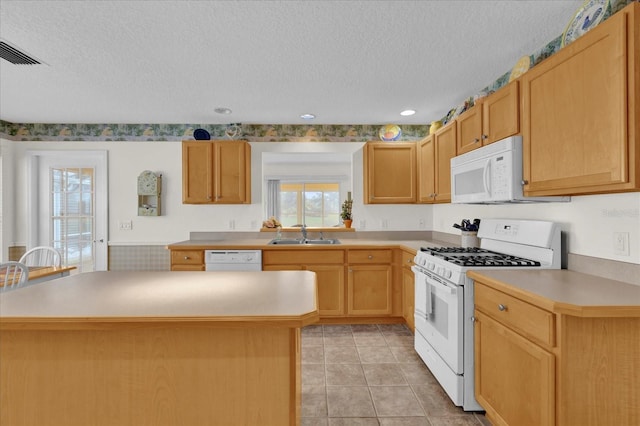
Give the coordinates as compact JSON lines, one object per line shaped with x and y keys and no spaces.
{"x":162,"y":375}
{"x":155,"y":349}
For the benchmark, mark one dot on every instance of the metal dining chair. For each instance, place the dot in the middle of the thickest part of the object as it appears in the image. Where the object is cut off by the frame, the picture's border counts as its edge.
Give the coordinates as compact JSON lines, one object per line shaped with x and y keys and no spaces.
{"x":13,"y":274}
{"x":42,"y":256}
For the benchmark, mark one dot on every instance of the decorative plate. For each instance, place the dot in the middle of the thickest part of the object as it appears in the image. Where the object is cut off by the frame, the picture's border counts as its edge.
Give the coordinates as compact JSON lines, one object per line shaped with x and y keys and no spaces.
{"x":201,"y":135}
{"x":587,"y":16}
{"x":520,"y":67}
{"x":390,"y":132}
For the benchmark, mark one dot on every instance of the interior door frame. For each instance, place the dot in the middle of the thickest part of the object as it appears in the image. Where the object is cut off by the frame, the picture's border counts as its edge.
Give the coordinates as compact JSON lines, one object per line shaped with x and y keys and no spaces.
{"x":97,"y":157}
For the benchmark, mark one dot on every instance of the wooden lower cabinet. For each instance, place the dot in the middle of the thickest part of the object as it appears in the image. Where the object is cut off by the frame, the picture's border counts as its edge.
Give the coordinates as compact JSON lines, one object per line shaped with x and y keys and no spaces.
{"x":328,"y":266}
{"x":330,"y":280}
{"x":369,"y":290}
{"x":408,"y":289}
{"x":370,"y":282}
{"x":514,"y":378}
{"x":537,"y":363}
{"x":187,"y":260}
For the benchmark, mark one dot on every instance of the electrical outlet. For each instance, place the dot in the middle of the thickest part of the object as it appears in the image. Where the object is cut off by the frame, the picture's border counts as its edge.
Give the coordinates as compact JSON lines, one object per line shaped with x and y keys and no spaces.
{"x":422,"y":224}
{"x":621,"y":243}
{"x":126,"y":225}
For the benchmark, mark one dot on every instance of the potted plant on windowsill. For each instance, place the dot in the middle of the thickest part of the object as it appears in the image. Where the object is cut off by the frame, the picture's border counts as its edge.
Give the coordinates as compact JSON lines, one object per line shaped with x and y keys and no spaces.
{"x":345,"y":214}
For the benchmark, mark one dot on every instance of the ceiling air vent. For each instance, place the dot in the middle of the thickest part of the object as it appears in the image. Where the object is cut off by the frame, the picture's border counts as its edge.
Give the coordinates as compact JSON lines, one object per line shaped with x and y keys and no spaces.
{"x":15,"y":56}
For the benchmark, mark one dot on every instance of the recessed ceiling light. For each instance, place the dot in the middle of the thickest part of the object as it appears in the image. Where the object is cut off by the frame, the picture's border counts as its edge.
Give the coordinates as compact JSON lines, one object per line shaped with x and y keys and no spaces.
{"x":308,"y":116}
{"x":223,"y":111}
{"x":407,"y":112}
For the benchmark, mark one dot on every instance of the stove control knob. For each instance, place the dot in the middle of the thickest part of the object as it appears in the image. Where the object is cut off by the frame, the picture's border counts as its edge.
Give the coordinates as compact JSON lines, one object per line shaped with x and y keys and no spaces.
{"x":447,"y":273}
{"x":431,"y":266}
{"x":440,"y":271}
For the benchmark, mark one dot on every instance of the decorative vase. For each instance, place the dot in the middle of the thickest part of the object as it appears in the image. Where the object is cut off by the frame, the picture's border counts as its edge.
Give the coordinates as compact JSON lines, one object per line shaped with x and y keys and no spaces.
{"x":347,"y":223}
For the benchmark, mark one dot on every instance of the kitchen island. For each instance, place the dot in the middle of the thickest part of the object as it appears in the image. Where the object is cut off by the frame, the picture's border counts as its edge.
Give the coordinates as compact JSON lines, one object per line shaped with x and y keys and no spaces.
{"x":155,"y":348}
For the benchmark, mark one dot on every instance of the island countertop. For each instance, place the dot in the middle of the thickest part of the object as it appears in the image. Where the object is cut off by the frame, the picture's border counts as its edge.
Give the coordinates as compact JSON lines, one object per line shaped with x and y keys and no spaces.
{"x":285,"y":298}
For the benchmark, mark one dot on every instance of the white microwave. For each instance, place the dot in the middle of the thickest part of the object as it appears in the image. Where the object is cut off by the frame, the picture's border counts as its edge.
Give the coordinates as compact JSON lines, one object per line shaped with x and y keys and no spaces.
{"x":491,"y":174}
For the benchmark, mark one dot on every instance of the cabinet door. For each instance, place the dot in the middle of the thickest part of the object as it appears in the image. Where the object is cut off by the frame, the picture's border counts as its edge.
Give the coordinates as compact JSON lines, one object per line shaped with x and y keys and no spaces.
{"x":514,"y":378}
{"x":330,"y":281}
{"x":197,"y":163}
{"x":575,"y":116}
{"x":408,"y":297}
{"x":369,"y":290}
{"x":426,"y":170}
{"x":501,"y":114}
{"x":330,"y":288}
{"x":469,"y":130}
{"x":390,"y":173}
{"x":232,"y":177}
{"x":445,"y":150}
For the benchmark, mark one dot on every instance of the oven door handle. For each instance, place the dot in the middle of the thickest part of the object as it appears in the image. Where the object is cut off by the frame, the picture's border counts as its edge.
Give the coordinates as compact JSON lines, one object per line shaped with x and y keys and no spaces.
{"x":440,"y":286}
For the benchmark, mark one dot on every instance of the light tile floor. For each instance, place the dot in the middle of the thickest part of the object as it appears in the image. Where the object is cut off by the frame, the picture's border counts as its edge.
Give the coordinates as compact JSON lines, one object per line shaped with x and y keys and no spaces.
{"x":366,"y":375}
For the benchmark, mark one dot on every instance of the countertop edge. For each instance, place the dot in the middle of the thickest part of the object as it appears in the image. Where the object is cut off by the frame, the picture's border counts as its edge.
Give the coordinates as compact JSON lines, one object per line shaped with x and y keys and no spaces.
{"x":556,"y":306}
{"x":93,"y":323}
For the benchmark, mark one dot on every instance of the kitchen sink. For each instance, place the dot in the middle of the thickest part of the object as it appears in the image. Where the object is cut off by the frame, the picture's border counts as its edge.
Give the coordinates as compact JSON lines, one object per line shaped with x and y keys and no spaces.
{"x":304,"y":241}
{"x":323,"y":241}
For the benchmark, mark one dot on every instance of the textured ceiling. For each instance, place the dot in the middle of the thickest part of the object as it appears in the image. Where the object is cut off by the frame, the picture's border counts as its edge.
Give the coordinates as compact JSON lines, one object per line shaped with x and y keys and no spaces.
{"x":348,"y":62}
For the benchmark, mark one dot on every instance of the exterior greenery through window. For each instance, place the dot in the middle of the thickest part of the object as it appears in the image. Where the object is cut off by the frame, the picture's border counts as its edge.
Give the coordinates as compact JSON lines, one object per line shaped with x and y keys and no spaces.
{"x":311,"y":204}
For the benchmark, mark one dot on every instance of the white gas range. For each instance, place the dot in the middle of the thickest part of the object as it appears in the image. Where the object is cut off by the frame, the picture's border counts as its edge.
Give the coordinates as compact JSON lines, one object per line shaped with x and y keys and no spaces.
{"x":444,"y":294}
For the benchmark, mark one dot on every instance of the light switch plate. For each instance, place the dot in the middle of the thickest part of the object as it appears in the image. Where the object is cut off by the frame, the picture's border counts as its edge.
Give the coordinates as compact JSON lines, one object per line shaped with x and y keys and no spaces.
{"x":621,"y":243}
{"x":126,"y":225}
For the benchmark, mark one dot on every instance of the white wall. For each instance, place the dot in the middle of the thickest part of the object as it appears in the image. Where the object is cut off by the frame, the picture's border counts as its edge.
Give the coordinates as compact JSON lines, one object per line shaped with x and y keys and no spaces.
{"x":589,"y":221}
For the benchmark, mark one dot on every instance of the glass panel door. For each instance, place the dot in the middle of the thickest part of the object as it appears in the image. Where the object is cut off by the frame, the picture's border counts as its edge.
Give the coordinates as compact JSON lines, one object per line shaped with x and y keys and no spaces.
{"x":72,"y":221}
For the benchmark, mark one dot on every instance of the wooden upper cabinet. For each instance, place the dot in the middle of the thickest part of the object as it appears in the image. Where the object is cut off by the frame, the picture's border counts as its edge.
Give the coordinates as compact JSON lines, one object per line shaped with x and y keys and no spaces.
{"x":444,"y":150}
{"x":426,"y":170}
{"x":580,"y":109}
{"x":390,"y":173}
{"x":494,"y":118}
{"x":469,"y":129}
{"x":216,"y":172}
{"x":501,"y":113}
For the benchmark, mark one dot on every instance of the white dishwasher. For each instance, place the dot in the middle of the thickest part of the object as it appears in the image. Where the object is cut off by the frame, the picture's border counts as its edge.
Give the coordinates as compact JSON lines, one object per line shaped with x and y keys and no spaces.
{"x":233,"y":260}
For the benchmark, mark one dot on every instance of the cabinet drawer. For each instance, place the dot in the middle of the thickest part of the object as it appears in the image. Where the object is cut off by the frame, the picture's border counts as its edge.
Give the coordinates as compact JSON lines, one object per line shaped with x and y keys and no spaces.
{"x":187,"y":257}
{"x":407,"y":259}
{"x":370,"y":256}
{"x":302,"y":256}
{"x":514,"y":313}
{"x":175,"y":267}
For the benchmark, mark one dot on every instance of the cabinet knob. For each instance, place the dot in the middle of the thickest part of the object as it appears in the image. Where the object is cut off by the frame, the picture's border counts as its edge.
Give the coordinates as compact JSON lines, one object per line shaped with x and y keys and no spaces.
{"x":186,"y":258}
{"x":370,"y":257}
{"x":502,"y":307}
{"x":524,"y":182}
{"x":484,"y":137}
{"x":476,"y":140}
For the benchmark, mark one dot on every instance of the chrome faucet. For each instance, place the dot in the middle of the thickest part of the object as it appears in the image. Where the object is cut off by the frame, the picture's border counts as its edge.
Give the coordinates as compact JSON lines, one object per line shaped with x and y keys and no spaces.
{"x":304,"y":232}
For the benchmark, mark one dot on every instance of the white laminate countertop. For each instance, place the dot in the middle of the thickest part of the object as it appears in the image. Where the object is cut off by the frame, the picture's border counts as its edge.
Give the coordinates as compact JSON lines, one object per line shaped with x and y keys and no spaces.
{"x":565,"y":291}
{"x":165,"y":296}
